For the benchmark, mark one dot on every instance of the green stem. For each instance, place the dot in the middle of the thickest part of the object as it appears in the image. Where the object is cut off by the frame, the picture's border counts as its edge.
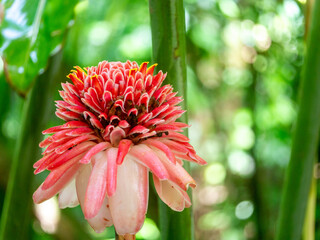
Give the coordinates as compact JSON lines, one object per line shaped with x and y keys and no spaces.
{"x":124,"y":237}
{"x":309,"y":222}
{"x":4,"y":99}
{"x":17,"y":210}
{"x":255,"y":181}
{"x":299,"y":172}
{"x":169,"y":51}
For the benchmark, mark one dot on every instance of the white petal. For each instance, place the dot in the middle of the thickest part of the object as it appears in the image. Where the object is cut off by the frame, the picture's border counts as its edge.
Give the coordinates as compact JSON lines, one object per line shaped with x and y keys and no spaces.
{"x":103,"y":218}
{"x":68,"y":196}
{"x":178,"y":174}
{"x":129,"y":204}
{"x":176,"y":198}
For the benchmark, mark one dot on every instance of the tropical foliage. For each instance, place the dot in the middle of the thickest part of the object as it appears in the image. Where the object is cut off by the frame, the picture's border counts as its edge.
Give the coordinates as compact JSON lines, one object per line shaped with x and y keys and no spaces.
{"x":242,"y":81}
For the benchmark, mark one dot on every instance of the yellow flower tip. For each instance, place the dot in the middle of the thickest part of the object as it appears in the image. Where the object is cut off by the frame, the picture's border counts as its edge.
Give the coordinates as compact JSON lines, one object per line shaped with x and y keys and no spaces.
{"x":151,"y":68}
{"x":74,"y":78}
{"x":80,"y":70}
{"x":132,"y":71}
{"x":94,"y":77}
{"x":143,"y":67}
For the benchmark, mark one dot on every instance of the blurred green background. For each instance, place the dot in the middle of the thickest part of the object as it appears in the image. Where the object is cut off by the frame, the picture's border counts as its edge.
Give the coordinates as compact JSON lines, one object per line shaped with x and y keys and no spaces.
{"x":244,"y":60}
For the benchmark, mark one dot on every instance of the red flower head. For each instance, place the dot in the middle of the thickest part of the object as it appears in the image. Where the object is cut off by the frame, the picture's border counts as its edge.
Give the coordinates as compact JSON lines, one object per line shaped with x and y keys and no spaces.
{"x":120,"y":124}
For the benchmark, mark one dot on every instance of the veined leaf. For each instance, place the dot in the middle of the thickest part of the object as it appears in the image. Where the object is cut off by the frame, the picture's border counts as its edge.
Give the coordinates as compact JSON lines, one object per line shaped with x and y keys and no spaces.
{"x":31,"y":31}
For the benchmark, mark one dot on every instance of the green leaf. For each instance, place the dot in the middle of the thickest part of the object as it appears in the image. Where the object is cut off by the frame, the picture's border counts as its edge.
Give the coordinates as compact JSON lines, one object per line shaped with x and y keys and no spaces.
{"x":31,"y":31}
{"x":38,"y":108}
{"x":300,"y":169}
{"x":169,"y":51}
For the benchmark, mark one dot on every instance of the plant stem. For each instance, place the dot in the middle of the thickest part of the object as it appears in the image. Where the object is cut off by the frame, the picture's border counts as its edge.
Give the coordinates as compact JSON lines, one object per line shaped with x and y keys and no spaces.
{"x":125,"y":237}
{"x":169,"y":51}
{"x":17,"y":213}
{"x":305,"y":140}
{"x":309,"y":222}
{"x":255,"y":181}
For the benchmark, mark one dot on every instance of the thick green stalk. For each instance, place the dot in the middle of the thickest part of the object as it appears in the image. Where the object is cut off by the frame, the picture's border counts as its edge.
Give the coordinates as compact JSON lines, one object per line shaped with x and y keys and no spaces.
{"x":17,"y":209}
{"x":300,"y":169}
{"x":169,"y":51}
{"x":309,"y":222}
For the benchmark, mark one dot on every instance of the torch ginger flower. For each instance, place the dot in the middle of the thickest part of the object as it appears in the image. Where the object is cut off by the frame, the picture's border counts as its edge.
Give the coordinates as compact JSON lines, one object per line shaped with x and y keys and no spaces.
{"x":120,"y":124}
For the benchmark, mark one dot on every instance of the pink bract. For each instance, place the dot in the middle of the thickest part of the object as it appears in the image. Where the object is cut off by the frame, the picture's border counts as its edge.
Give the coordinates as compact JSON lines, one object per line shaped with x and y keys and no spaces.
{"x":120,"y":124}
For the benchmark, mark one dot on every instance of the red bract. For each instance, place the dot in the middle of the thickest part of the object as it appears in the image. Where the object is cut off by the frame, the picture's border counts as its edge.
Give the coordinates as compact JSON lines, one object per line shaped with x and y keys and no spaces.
{"x":120,"y":124}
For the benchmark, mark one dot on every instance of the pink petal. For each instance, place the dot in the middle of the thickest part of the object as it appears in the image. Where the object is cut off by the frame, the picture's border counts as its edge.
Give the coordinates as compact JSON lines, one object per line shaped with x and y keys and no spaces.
{"x":68,"y":196}
{"x":76,"y":81}
{"x":128,"y":205}
{"x":73,"y":142}
{"x":57,"y":173}
{"x":94,"y":150}
{"x":112,"y":171}
{"x":116,"y":135}
{"x":186,"y":157}
{"x":97,"y":186}
{"x":120,"y":103}
{"x":163,"y":147}
{"x":172,"y":117}
{"x":124,"y":124}
{"x":42,"y":195}
{"x":175,"y":146}
{"x":171,"y":194}
{"x":201,"y":161}
{"x":54,"y":145}
{"x":114,"y":119}
{"x":145,"y":118}
{"x":177,"y":173}
{"x":80,"y":131}
{"x":154,"y":122}
{"x":159,"y":110}
{"x":45,"y":142}
{"x":53,"y":129}
{"x":133,"y":111}
{"x":107,"y":97}
{"x":180,"y":125}
{"x":103,"y":218}
{"x":67,"y":115}
{"x":123,"y":150}
{"x":75,"y":124}
{"x":147,"y":135}
{"x":44,"y":162}
{"x":143,"y":67}
{"x":148,"y":158}
{"x":161,"y":91}
{"x":177,"y":137}
{"x":167,"y":127}
{"x":138,"y":129}
{"x":59,"y":136}
{"x":107,"y":131}
{"x":70,"y":154}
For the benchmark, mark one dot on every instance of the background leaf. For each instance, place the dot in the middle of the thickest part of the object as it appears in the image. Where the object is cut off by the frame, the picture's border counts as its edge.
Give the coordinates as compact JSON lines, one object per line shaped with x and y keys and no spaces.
{"x":237,"y":51}
{"x":300,"y":172}
{"x":17,"y":211}
{"x":31,"y":31}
